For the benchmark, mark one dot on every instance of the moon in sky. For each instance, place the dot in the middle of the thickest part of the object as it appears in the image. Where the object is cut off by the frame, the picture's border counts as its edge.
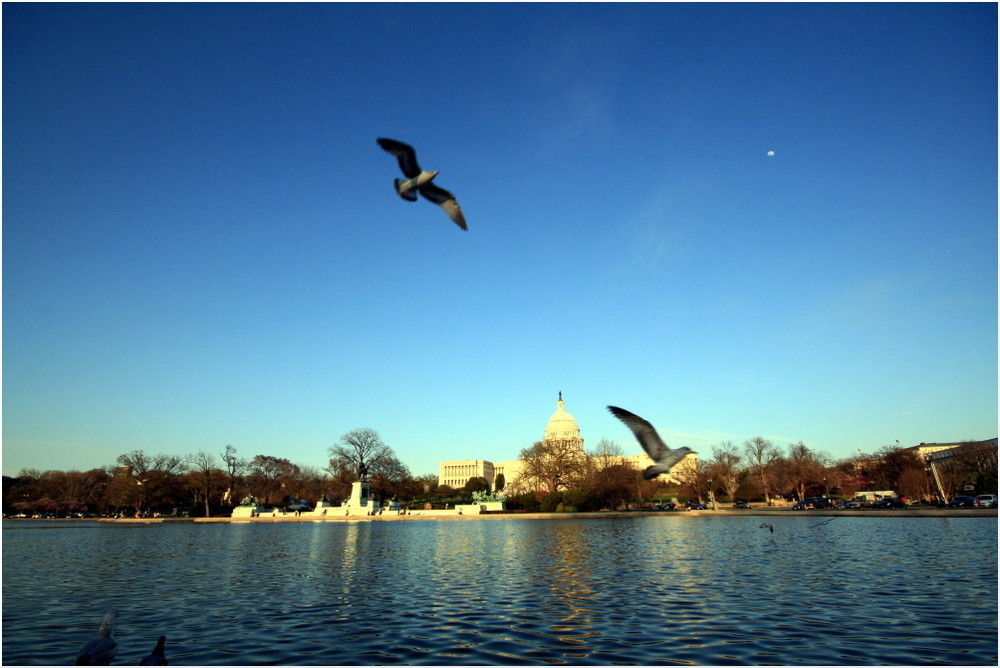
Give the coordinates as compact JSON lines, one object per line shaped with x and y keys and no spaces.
{"x":770,"y":153}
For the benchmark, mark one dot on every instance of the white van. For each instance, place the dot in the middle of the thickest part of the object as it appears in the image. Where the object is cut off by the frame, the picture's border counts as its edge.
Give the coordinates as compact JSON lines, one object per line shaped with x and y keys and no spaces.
{"x":986,"y":501}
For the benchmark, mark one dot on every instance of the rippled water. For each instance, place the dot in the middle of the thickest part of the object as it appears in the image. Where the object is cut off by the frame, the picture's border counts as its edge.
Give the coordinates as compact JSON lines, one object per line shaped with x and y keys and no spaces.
{"x":671,"y":589}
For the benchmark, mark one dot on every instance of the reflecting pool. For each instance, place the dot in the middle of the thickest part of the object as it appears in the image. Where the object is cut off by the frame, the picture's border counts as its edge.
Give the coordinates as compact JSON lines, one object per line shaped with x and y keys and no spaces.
{"x":670,"y":589}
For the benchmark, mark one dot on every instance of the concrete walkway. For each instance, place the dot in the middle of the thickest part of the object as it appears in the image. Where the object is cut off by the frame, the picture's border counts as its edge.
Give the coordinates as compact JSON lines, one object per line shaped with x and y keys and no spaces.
{"x":419,"y":515}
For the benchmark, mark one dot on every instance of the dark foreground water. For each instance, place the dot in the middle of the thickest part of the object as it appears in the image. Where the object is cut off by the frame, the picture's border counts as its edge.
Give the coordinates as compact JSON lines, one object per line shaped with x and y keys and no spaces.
{"x":674,"y":589}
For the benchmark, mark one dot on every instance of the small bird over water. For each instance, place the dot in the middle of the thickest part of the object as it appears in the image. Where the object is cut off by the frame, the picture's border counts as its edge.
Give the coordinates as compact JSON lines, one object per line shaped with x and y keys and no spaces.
{"x":156,"y":657}
{"x":100,"y":650}
{"x":651,"y":442}
{"x":417,"y":180}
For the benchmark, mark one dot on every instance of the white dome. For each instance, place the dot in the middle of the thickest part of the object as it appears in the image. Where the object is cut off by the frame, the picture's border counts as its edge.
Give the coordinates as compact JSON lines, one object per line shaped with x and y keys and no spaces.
{"x":562,"y":426}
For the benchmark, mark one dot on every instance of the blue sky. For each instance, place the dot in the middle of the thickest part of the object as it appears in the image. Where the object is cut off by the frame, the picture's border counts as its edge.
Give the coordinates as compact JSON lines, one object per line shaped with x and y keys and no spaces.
{"x":202,"y":246}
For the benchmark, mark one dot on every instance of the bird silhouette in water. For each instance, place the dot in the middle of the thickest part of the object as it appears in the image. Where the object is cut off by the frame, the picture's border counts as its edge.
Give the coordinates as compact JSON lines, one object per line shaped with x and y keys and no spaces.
{"x":417,"y":180}
{"x":767,"y":526}
{"x":102,"y":649}
{"x":651,"y":442}
{"x":156,"y":657}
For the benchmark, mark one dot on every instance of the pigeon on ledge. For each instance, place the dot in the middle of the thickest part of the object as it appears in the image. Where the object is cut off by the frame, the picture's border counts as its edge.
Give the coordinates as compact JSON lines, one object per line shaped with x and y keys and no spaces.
{"x":417,"y":180}
{"x":651,"y":442}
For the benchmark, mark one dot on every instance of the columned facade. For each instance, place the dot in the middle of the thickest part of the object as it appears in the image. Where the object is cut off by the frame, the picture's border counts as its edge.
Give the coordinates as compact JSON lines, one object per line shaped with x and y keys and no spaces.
{"x":456,"y":474}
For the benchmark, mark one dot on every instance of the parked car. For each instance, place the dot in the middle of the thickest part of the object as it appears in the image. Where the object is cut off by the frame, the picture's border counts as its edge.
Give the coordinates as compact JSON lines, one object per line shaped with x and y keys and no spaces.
{"x":802,"y":505}
{"x":986,"y":501}
{"x":962,"y":502}
{"x":691,"y":505}
{"x":742,"y":505}
{"x":664,"y":506}
{"x":820,"y":502}
{"x":891,"y":502}
{"x":853,"y":504}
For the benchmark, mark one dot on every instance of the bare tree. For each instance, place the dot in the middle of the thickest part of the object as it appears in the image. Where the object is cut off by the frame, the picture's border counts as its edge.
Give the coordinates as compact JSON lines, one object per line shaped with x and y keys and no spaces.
{"x":342,"y":474}
{"x":361,"y":450}
{"x":762,"y":455}
{"x":389,"y":476}
{"x":235,"y":466}
{"x":616,"y":484}
{"x":153,"y":475}
{"x":607,"y":451}
{"x":803,"y":468}
{"x":204,"y":476}
{"x":914,"y":483}
{"x":695,"y":479}
{"x":267,"y":475}
{"x":893,"y":463}
{"x":429,"y":483}
{"x":725,"y":468}
{"x":612,"y":480}
{"x":553,"y":465}
{"x":308,"y":482}
{"x":83,"y":491}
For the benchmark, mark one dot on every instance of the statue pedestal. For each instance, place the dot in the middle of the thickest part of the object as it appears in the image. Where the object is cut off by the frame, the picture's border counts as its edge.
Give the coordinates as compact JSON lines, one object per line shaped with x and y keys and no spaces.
{"x":249,"y":511}
{"x":360,"y":502}
{"x":359,"y":494}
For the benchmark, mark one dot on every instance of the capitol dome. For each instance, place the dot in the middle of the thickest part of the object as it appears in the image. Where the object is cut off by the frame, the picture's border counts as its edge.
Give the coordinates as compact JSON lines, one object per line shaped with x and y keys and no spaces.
{"x":562,"y":425}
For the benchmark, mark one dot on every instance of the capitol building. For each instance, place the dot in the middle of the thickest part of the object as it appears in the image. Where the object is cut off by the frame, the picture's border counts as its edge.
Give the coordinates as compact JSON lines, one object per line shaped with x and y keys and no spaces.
{"x":562,"y":428}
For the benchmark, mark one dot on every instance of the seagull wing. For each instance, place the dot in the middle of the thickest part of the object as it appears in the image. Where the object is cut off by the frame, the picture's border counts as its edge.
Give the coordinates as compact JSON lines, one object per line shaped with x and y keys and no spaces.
{"x":446,"y":201}
{"x":644,"y":433}
{"x":404,"y":153}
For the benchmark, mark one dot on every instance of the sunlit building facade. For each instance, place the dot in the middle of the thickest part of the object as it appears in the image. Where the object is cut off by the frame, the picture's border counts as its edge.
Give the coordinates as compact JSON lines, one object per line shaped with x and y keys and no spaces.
{"x":562,"y":429}
{"x":456,"y":474}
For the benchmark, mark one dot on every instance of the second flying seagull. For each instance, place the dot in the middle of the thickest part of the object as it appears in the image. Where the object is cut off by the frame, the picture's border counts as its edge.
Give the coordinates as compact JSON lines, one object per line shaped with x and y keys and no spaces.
{"x":651,"y":442}
{"x":417,"y":180}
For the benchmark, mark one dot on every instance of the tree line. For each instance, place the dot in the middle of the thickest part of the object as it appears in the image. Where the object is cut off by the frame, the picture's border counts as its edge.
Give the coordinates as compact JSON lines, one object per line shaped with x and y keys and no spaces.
{"x":555,"y":475}
{"x":206,"y":483}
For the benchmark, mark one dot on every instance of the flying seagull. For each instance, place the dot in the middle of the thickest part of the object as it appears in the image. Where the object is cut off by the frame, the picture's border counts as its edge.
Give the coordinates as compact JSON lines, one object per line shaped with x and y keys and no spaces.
{"x":156,"y":657}
{"x":822,"y":523}
{"x":100,"y":650}
{"x":651,"y":442}
{"x":417,"y":180}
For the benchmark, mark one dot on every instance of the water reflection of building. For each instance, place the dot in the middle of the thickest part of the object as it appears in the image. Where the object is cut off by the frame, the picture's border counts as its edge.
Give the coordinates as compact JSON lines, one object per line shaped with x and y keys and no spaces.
{"x":561,"y":429}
